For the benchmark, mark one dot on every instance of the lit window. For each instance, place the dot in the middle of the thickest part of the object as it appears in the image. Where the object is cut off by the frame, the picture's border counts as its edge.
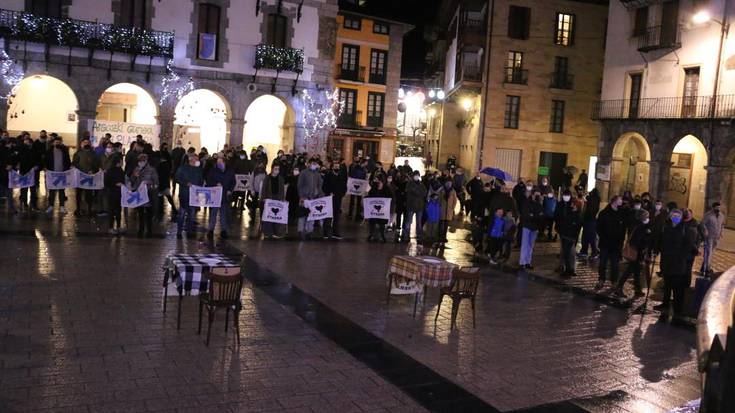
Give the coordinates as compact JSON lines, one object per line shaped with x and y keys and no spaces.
{"x":564,"y":33}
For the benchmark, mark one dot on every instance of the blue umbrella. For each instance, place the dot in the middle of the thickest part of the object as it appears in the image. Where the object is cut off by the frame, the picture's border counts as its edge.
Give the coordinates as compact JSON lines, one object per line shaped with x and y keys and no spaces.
{"x":497,"y":173}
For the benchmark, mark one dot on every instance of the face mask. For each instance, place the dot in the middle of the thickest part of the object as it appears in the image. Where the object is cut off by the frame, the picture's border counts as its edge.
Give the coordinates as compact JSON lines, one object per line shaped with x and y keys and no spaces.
{"x":141,"y":164}
{"x":636,"y":207}
{"x":221,"y":166}
{"x":197,"y":164}
{"x":676,"y":220}
{"x":416,"y":178}
{"x":717,"y":211}
{"x":550,"y":196}
{"x":390,"y":180}
{"x":313,"y":167}
{"x":658,"y":207}
{"x":646,"y":221}
{"x":87,"y":147}
{"x":566,"y":198}
{"x":295,"y":173}
{"x":242,"y":156}
{"x":529,"y":188}
{"x":108,"y":150}
{"x":275,"y":173}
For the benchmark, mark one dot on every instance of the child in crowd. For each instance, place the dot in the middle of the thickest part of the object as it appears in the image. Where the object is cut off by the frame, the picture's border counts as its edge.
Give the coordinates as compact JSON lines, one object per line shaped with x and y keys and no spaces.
{"x":433,"y":217}
{"x":496,"y":234}
{"x":509,"y":230}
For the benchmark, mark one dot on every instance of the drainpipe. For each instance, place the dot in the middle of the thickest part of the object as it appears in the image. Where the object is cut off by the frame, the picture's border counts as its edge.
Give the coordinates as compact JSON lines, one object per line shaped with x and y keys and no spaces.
{"x":486,"y":85}
{"x":724,"y":23}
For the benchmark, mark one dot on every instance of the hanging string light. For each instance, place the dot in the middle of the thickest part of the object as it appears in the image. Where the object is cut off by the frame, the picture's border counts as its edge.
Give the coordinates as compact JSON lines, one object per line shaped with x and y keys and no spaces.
{"x":173,"y":85}
{"x":320,"y":117}
{"x":11,"y":74}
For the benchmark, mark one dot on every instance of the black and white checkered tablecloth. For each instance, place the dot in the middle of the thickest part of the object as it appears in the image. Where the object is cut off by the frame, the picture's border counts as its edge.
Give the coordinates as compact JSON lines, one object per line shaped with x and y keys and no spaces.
{"x":186,"y":269}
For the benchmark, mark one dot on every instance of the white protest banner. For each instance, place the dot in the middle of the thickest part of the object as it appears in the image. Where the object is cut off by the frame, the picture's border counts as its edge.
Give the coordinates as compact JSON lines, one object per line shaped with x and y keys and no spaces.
{"x":60,"y":180}
{"x":16,"y":180}
{"x":359,"y":187}
{"x":243,"y":182}
{"x":205,"y":196}
{"x":133,"y":199}
{"x":89,"y":181}
{"x":275,"y":211}
{"x":376,"y":208}
{"x":320,"y":208}
{"x":123,"y":132}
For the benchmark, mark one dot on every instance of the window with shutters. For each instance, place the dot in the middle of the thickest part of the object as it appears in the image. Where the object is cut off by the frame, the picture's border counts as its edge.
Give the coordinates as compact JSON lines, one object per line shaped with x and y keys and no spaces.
{"x":641,"y":21}
{"x":209,"y":21}
{"x":277,"y":29}
{"x":376,"y":104}
{"x":378,"y":61}
{"x":564,"y":30}
{"x":519,"y":22}
{"x":133,"y":13}
{"x":512,"y":109}
{"x":46,"y":8}
{"x":557,"y":116}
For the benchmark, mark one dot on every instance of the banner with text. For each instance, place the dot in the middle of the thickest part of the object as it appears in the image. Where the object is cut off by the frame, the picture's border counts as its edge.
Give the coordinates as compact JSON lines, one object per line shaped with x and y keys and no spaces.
{"x":205,"y":196}
{"x":358,"y":187}
{"x":89,"y":181}
{"x":16,"y":180}
{"x":60,"y":180}
{"x":320,"y":208}
{"x":123,"y":132}
{"x":376,"y":208}
{"x":133,"y":199}
{"x":275,"y":211}
{"x":243,"y":182}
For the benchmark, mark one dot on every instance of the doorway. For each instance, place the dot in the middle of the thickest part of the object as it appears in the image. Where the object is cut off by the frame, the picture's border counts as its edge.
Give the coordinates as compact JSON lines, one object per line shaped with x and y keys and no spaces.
{"x":551,"y":165}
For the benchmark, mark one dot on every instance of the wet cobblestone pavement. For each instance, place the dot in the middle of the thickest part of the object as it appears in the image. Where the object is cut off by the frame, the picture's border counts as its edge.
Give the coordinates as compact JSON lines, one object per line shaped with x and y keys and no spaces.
{"x":81,"y":329}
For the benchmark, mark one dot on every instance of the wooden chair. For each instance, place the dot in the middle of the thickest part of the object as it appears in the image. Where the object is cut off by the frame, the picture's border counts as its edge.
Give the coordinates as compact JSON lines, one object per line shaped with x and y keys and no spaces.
{"x":225,"y":289}
{"x":464,"y":286}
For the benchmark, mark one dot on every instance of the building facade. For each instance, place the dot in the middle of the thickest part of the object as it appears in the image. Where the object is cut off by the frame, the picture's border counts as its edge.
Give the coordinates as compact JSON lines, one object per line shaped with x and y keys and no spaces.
{"x":667,"y":102}
{"x":105,"y":60}
{"x":520,"y":77}
{"x":367,"y":68}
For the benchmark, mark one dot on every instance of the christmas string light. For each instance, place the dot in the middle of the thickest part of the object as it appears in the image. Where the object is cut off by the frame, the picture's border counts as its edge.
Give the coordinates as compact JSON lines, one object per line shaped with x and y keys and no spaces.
{"x":320,"y":117}
{"x":279,"y":58}
{"x":173,"y":86}
{"x":11,"y":74}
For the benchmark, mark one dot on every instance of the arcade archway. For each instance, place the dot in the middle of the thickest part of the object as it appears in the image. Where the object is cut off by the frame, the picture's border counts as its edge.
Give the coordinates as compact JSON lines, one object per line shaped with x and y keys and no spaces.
{"x":630,"y":168}
{"x":46,"y":103}
{"x":201,"y":120}
{"x":125,"y":110}
{"x":269,"y":122}
{"x":688,"y":175}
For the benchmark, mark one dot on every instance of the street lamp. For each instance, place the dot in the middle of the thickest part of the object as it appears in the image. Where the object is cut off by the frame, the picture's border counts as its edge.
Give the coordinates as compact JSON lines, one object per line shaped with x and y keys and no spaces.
{"x":467,"y":104}
{"x":440,"y":95}
{"x":701,"y":17}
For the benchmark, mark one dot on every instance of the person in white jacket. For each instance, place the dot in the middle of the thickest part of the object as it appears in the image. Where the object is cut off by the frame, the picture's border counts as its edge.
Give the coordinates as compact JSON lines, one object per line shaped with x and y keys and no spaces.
{"x":714,"y":224}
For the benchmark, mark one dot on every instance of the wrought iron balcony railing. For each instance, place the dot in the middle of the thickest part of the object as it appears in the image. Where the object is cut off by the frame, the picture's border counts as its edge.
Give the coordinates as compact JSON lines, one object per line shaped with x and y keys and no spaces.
{"x":516,"y":76}
{"x":356,"y":74}
{"x":561,"y":81}
{"x":80,"y":33}
{"x":471,"y":73}
{"x":279,"y":58}
{"x":660,"y":37}
{"x":691,"y":107}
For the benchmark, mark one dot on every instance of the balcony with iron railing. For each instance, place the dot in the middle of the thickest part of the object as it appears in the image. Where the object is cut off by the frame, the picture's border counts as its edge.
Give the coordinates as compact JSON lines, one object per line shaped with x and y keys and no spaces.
{"x":660,"y":37}
{"x":350,"y":120}
{"x":279,"y":58}
{"x":515,"y":75}
{"x":471,"y":73}
{"x":561,"y":81}
{"x":80,"y":33}
{"x":356,"y":74}
{"x":690,"y":107}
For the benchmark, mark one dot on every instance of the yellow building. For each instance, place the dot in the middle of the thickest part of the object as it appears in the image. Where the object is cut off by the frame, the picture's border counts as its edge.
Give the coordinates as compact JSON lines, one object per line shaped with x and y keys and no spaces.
{"x":367,"y":72}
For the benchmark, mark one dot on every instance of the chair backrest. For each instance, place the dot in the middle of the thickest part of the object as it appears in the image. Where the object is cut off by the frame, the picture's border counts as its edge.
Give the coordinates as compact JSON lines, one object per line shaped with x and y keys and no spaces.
{"x":465,"y":280}
{"x":225,"y":284}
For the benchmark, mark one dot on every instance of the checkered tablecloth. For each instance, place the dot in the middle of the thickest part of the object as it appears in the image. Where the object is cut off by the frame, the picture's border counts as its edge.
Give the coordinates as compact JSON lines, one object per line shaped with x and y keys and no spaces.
{"x":186,"y":270}
{"x":429,"y":271}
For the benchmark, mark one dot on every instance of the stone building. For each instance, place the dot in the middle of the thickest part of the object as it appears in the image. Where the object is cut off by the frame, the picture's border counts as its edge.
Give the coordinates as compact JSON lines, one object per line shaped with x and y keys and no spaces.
{"x":519,"y":78}
{"x":104,"y":60}
{"x":367,"y":72}
{"x":667,"y":102}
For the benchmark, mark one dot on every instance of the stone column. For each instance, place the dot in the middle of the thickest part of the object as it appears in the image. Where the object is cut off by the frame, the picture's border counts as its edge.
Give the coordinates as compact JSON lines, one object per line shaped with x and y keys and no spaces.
{"x":719,"y":178}
{"x":3,"y":115}
{"x":83,"y":118}
{"x":658,"y":178}
{"x":237,"y":129}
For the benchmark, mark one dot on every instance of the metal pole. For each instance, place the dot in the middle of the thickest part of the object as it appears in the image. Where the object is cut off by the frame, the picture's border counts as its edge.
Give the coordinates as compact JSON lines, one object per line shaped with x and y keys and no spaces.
{"x":486,"y":84}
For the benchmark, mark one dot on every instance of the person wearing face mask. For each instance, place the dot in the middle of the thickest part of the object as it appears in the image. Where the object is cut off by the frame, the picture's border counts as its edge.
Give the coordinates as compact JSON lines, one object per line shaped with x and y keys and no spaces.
{"x":223,"y":177}
{"x":57,"y":160}
{"x":398,"y":188}
{"x":253,"y":195}
{"x":476,"y":203}
{"x":30,"y":161}
{"x":532,"y":219}
{"x":240,"y":164}
{"x":187,"y":175}
{"x":550,"y":206}
{"x":377,"y":226}
{"x":177,"y":159}
{"x":310,"y":187}
{"x":86,"y":161}
{"x":676,"y":246}
{"x":144,"y":173}
{"x":568,"y":224}
{"x":274,"y":187}
{"x":519,"y":193}
{"x":458,"y":183}
{"x":641,"y":239}
{"x":131,"y":158}
{"x":358,"y":170}
{"x":114,"y":180}
{"x":545,"y":187}
{"x":589,"y":225}
{"x":164,"y":169}
{"x":335,"y":184}
{"x":448,"y":198}
{"x":415,"y":204}
{"x":611,"y":229}
{"x":714,"y":225}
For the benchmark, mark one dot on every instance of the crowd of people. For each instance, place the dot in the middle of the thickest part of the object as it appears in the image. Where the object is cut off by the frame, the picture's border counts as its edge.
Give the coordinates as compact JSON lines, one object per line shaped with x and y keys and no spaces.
{"x":635,"y":229}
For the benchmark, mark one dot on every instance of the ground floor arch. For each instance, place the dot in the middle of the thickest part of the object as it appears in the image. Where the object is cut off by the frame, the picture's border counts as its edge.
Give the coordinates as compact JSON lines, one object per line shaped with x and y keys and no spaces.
{"x":125,"y":110}
{"x":201,"y":120}
{"x":630,"y":165}
{"x":269,"y":122}
{"x":687,"y":181}
{"x":42,"y":102}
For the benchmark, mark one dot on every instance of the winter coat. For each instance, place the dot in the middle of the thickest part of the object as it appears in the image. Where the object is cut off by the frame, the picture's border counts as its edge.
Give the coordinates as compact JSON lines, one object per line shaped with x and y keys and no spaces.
{"x":357,"y":172}
{"x":28,"y":159}
{"x":267,"y":191}
{"x":177,"y":157}
{"x":185,"y":175}
{"x":335,"y":183}
{"x":641,"y":238}
{"x":496,"y":229}
{"x":310,"y":184}
{"x":504,"y":201}
{"x":532,"y":214}
{"x":449,"y":203}
{"x":114,"y":176}
{"x":398,"y":186}
{"x":549,"y":206}
{"x":677,"y":247}
{"x":148,"y":175}
{"x":433,"y":211}
{"x":86,"y":161}
{"x":415,"y":196}
{"x":568,"y":222}
{"x":224,"y":178}
{"x":458,"y":182}
{"x":257,"y":184}
{"x":65,"y":159}
{"x":611,"y":228}
{"x":592,"y":206}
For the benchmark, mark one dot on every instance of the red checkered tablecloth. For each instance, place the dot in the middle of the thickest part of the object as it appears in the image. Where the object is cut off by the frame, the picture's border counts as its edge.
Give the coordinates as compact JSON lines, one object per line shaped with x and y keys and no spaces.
{"x":430,"y":271}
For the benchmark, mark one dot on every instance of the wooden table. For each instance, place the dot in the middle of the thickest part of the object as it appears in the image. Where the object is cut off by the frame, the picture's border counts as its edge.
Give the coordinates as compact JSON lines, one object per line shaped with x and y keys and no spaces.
{"x":424,"y":271}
